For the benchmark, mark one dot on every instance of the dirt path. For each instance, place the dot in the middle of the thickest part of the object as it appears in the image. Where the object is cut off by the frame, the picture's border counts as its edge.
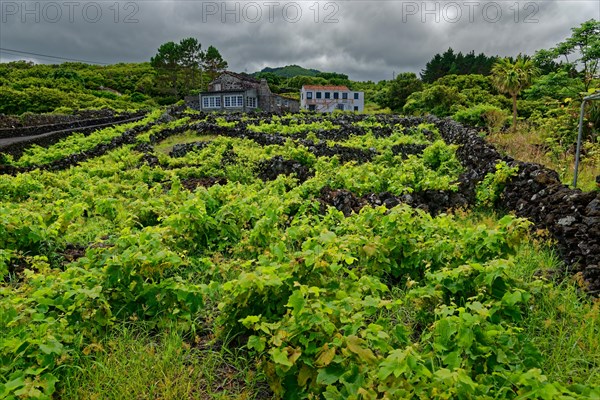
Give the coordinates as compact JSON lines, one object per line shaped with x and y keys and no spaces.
{"x":8,"y":141}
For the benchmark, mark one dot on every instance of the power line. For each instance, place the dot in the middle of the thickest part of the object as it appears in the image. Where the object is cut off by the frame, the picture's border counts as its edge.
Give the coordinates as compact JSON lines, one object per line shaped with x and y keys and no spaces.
{"x":17,"y":52}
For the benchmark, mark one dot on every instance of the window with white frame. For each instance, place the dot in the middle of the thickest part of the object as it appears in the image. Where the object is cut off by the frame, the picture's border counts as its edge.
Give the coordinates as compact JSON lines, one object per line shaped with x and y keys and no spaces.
{"x":233,"y":101}
{"x":336,"y":95}
{"x":344,"y":96}
{"x":355,"y":95}
{"x":308,"y":95}
{"x":211,"y":101}
{"x":251,"y":102}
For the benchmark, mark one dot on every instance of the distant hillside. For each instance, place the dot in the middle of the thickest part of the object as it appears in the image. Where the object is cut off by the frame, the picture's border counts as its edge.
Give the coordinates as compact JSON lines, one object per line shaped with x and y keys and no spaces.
{"x":289,"y":71}
{"x":291,"y":78}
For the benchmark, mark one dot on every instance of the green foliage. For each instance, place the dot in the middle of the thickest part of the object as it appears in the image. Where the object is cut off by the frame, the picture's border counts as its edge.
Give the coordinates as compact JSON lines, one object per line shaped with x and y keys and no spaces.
{"x":213,"y":63}
{"x":491,"y":187}
{"x":50,"y":88}
{"x":439,"y":100}
{"x":441,"y":157}
{"x":482,"y":115}
{"x":584,"y":42}
{"x":294,"y":126}
{"x":380,"y":303}
{"x":136,"y":362}
{"x":397,"y":91}
{"x":341,"y":338}
{"x":450,"y":63}
{"x":511,"y":78}
{"x":396,"y":176}
{"x":77,"y":143}
{"x":179,"y":66}
{"x":289,"y":71}
{"x":291,"y":78}
{"x":471,"y":81}
{"x":555,"y":85}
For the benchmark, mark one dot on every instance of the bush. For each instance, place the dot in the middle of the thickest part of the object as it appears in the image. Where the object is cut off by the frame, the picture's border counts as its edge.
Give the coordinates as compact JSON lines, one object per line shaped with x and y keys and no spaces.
{"x":166,"y":101}
{"x":439,"y":100}
{"x":529,"y":108}
{"x":482,"y":116}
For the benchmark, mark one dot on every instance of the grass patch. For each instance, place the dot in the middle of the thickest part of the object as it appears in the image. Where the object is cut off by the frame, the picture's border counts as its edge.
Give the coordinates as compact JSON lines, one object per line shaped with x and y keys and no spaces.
{"x":527,"y":145}
{"x":166,"y":145}
{"x":565,"y":326}
{"x":133,"y":363}
{"x":564,"y":323}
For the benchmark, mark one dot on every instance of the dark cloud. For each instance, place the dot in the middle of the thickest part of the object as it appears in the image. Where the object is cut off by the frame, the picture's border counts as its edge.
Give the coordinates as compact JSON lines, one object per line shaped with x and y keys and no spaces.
{"x":365,"y":39}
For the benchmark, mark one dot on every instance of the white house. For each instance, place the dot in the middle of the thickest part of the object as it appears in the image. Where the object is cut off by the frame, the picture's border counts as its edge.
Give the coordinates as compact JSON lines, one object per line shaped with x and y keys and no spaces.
{"x":330,"y":98}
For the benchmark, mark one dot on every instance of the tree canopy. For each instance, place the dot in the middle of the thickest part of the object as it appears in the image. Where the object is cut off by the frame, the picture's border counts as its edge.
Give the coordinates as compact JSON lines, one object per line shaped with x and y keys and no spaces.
{"x":450,"y":63}
{"x":179,"y":65}
{"x":511,"y":78}
{"x":584,"y":45}
{"x":397,"y":91}
{"x":213,"y":63}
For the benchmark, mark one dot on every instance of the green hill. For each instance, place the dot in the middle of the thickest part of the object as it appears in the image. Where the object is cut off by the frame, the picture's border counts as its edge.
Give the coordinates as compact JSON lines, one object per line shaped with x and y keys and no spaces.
{"x":289,"y":71}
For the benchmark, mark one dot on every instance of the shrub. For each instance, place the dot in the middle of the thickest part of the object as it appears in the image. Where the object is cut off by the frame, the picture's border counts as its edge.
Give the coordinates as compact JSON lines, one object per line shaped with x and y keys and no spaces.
{"x":483,"y":116}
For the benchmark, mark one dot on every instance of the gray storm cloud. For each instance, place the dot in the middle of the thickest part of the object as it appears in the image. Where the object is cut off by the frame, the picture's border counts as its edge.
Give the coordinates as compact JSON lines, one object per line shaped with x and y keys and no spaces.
{"x":365,"y":39}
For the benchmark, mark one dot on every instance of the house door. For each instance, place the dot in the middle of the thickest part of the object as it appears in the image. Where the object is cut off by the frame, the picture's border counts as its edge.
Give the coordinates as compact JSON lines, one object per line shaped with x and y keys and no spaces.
{"x":340,"y":107}
{"x":311,"y":107}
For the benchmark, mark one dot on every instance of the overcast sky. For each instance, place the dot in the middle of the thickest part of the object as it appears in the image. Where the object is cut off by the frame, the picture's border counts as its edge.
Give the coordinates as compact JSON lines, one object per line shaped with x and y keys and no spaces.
{"x":364,"y":39}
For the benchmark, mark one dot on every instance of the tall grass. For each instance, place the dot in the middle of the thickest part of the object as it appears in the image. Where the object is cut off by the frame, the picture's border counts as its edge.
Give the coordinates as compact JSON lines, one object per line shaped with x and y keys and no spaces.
{"x":527,"y":145}
{"x":135,"y":363}
{"x":563,"y":323}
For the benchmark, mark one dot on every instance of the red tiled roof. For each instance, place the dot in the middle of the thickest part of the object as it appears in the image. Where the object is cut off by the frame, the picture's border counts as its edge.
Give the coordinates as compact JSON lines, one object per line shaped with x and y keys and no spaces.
{"x":333,"y":88}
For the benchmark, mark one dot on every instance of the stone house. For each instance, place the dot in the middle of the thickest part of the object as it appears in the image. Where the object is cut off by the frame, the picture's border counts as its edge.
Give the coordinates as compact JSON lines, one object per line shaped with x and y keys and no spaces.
{"x":238,"y":92}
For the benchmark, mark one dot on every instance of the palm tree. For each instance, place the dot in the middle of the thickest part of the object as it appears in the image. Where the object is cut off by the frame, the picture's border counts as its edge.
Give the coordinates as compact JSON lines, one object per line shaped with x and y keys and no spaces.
{"x":511,"y":78}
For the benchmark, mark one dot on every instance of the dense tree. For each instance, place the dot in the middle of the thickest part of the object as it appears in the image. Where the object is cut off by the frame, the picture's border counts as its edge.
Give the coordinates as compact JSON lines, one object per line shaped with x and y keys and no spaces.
{"x":397,"y":91}
{"x":439,"y":100}
{"x":545,"y":61}
{"x":334,"y":78}
{"x":462,"y":82}
{"x":555,"y":85}
{"x":167,"y":63}
{"x":584,"y":45}
{"x":213,"y":63}
{"x":511,"y":78}
{"x":191,"y":57}
{"x":451,"y":63}
{"x":272,"y":78}
{"x":298,"y":81}
{"x":434,"y":69}
{"x":181,"y":63}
